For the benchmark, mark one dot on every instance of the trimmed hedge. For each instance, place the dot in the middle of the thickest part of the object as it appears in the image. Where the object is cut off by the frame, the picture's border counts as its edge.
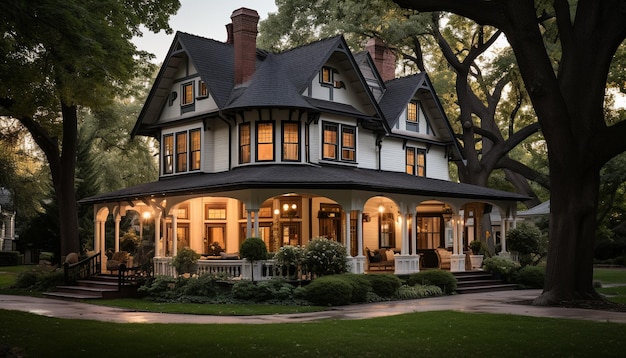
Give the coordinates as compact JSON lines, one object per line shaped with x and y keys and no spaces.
{"x":329,"y":291}
{"x":385,"y":285}
{"x":440,"y":278}
{"x":11,"y":258}
{"x":360,"y":286}
{"x":530,"y":276}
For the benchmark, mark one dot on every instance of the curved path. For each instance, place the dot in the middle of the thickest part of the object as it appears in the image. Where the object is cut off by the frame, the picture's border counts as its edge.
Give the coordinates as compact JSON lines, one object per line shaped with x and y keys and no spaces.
{"x":488,"y":302}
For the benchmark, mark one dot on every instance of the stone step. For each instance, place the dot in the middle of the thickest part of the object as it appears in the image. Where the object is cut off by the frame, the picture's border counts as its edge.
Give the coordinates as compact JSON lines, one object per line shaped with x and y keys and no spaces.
{"x":487,"y":288}
{"x":478,"y":283}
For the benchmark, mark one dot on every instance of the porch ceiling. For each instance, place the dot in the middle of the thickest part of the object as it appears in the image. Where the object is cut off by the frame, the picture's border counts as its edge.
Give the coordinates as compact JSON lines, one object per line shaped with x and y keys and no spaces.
{"x":302,"y":177}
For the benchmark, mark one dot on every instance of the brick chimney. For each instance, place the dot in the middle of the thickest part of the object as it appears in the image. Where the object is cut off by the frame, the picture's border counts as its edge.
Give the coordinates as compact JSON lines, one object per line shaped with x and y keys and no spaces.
{"x":244,"y":30}
{"x":384,"y":59}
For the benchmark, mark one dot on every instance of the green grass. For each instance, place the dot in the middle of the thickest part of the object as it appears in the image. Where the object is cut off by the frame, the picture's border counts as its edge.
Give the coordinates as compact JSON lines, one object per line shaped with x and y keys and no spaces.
{"x":9,"y":273}
{"x":610,"y":275}
{"x":207,"y":309}
{"x":429,"y":334}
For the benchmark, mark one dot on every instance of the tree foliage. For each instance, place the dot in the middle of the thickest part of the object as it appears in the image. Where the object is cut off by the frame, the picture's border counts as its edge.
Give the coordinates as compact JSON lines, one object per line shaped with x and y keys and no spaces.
{"x":554,"y":42}
{"x":59,"y":56}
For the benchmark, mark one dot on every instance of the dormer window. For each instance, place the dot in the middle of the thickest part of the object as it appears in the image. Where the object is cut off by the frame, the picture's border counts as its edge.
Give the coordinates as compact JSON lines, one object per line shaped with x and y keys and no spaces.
{"x":202,"y":91}
{"x":412,"y":117}
{"x":326,"y":76}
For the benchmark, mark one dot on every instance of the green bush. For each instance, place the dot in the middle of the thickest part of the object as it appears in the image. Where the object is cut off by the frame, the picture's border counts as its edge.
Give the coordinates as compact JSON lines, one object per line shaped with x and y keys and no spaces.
{"x":253,"y":249}
{"x":158,"y":286}
{"x":325,"y":257}
{"x":440,"y":278}
{"x":530,"y":277}
{"x":26,"y":279}
{"x":384,"y":285}
{"x":406,"y":292}
{"x":11,"y":258}
{"x":185,"y":261}
{"x":40,"y":279}
{"x":130,"y":242}
{"x":501,"y":267}
{"x":361,"y":285}
{"x":529,"y":243}
{"x":203,"y":285}
{"x":244,"y":290}
{"x":329,"y":291}
{"x":46,"y":256}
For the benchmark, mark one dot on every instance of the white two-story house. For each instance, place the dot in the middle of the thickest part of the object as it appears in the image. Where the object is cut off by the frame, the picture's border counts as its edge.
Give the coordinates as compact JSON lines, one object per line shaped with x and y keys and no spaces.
{"x":314,"y":141}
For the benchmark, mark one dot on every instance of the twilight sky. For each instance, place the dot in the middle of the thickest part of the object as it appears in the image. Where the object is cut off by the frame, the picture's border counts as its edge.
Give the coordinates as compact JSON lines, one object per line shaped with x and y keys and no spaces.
{"x":206,"y":18}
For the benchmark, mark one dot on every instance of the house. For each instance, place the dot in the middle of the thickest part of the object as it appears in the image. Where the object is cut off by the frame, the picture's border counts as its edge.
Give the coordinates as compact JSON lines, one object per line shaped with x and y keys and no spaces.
{"x":313,"y":141}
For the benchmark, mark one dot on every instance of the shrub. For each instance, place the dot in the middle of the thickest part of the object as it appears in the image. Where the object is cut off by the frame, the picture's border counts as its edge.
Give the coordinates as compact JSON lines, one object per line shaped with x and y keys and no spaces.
{"x":46,"y":256}
{"x":157,"y":285}
{"x":406,"y":292}
{"x":203,"y":285}
{"x":531,"y":277}
{"x":361,"y":285}
{"x":325,"y":257}
{"x":329,"y":291}
{"x":26,"y":279}
{"x":289,"y":255}
{"x":185,"y":261}
{"x":445,"y":280}
{"x":384,"y":285}
{"x":253,"y":249}
{"x":499,"y":266}
{"x":40,"y":279}
{"x":244,"y":290}
{"x":528,"y":242}
{"x":214,"y":249}
{"x":477,"y":247}
{"x":129,"y":242}
{"x":11,"y":258}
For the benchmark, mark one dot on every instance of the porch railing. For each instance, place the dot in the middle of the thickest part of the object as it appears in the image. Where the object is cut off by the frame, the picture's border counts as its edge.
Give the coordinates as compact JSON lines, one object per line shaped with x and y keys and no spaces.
{"x":241,"y":269}
{"x":83,"y":269}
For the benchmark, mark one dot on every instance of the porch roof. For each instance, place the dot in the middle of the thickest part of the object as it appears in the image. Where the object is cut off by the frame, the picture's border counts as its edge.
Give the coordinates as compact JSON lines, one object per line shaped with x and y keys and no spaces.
{"x":302,"y":177}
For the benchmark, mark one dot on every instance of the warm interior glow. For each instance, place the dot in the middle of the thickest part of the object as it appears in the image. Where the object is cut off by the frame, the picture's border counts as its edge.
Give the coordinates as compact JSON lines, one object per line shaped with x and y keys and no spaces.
{"x":146,"y":215}
{"x":285,"y":207}
{"x":381,"y":208}
{"x":276,"y":211}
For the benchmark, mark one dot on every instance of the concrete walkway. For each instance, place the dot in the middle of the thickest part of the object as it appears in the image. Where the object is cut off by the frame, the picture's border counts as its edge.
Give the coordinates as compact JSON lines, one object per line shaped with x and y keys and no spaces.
{"x":488,"y":302}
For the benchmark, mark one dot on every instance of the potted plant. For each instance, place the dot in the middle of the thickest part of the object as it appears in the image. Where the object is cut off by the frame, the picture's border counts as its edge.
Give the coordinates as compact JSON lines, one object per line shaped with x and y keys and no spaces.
{"x":253,"y":249}
{"x":185,"y":261}
{"x":476,"y":257}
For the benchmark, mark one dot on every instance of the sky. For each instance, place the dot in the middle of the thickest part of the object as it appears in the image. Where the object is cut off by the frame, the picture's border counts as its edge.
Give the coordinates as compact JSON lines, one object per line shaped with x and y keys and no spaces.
{"x":206,"y":18}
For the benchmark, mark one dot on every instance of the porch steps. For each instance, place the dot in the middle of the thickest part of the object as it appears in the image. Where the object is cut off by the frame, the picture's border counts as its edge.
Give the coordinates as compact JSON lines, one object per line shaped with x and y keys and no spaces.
{"x":479,"y":281}
{"x":97,"y":287}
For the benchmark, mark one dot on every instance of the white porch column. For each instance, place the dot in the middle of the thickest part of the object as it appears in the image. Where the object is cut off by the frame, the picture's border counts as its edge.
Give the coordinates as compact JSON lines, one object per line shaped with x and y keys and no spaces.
{"x":96,"y":235}
{"x":347,"y":231}
{"x":359,"y":234}
{"x":358,"y":261}
{"x":405,"y":263}
{"x":457,"y":261}
{"x":249,"y":224}
{"x":256,"y":223}
{"x":503,"y":230}
{"x":404,"y":234}
{"x":118,"y":218}
{"x":158,"y":250}
{"x":174,"y":235}
{"x":414,"y":232}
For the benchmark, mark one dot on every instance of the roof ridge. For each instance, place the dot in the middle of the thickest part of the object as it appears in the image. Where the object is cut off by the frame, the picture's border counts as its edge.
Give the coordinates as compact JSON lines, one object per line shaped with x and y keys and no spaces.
{"x":308,"y":44}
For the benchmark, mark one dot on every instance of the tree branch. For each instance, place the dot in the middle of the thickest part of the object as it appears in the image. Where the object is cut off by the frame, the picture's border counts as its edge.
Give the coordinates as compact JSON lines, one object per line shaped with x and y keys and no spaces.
{"x":522,"y":169}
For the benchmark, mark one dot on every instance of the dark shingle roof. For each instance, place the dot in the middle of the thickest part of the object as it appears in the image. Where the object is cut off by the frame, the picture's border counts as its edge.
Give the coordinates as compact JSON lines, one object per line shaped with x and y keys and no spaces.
{"x":398,"y":94}
{"x":304,"y":177}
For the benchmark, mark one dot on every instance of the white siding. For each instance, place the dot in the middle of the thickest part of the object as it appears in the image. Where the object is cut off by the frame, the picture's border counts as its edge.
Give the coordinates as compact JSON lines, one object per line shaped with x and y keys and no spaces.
{"x":393,"y":155}
{"x":437,"y":163}
{"x":366,"y":149}
{"x":219,"y":149}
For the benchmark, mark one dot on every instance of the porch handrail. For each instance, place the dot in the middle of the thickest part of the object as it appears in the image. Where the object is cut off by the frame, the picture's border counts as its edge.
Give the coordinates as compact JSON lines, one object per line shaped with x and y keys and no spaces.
{"x":82,"y":269}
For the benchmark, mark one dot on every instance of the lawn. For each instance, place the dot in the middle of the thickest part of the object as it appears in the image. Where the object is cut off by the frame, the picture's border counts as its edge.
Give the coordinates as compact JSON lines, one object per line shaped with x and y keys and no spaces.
{"x":429,"y":334}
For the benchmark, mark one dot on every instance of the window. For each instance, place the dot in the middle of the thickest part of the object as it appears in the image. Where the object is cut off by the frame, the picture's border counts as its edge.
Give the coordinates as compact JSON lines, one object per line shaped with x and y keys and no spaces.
{"x":168,"y":154}
{"x":194,"y":149}
{"x":386,"y":230}
{"x":331,"y":144}
{"x":187,"y":91}
{"x":429,"y":231}
{"x":214,"y":233}
{"x":291,"y":141}
{"x":326,"y":76}
{"x":416,"y":161}
{"x":265,"y":141}
{"x":214,"y":212}
{"x":265,"y":211}
{"x":244,"y":143}
{"x":202,"y":91}
{"x":290,"y":207}
{"x":181,"y":152}
{"x":348,"y":143}
{"x":330,"y":141}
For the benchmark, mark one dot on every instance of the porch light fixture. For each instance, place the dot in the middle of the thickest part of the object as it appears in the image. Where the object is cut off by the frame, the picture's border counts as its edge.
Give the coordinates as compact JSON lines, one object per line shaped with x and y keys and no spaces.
{"x":146,"y":215}
{"x":447,"y":213}
{"x":381,"y":208}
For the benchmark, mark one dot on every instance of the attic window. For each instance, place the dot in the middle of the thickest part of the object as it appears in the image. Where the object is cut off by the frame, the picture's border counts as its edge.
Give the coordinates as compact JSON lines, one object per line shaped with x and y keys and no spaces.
{"x":202,"y":91}
{"x":326,"y":76}
{"x":187,"y":99}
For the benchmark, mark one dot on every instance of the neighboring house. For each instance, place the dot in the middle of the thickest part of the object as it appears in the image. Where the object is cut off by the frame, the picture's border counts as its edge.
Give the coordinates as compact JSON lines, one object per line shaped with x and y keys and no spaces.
{"x":314,"y":141}
{"x":7,"y":221}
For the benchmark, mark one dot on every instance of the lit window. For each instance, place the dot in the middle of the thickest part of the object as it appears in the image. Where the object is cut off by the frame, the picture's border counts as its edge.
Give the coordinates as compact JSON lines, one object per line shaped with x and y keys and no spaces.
{"x":168,"y":154}
{"x":291,"y":141}
{"x":326,"y":75}
{"x":348,"y":143}
{"x":213,"y":212}
{"x":244,"y":143}
{"x":202,"y":91}
{"x":187,"y":90}
{"x":330,"y":141}
{"x":181,"y":152}
{"x":265,"y":141}
{"x":194,"y":149}
{"x":416,"y":162}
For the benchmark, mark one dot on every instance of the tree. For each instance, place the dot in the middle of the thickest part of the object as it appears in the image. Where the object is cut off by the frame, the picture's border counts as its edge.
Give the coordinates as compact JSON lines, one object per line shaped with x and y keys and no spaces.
{"x":253,"y":249}
{"x":57,"y":57}
{"x":570,"y":112}
{"x":485,"y":95}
